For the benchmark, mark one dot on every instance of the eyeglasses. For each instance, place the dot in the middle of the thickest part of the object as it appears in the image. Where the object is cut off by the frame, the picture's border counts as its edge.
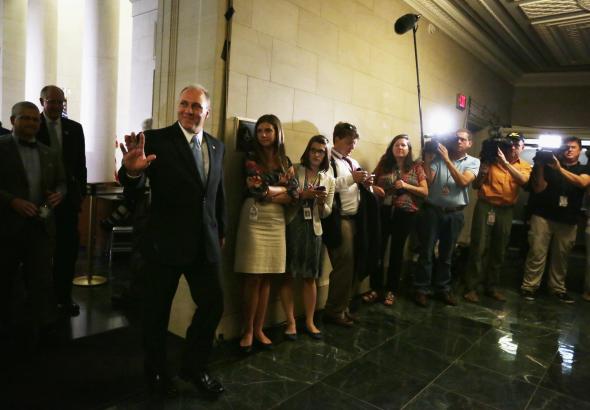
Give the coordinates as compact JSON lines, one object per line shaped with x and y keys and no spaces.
{"x":57,"y":102}
{"x":314,"y":151}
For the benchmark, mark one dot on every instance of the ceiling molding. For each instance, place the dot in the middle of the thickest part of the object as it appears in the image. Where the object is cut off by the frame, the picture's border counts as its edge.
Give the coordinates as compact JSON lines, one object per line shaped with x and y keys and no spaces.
{"x":516,"y":37}
{"x":466,"y":34}
{"x":570,"y":79}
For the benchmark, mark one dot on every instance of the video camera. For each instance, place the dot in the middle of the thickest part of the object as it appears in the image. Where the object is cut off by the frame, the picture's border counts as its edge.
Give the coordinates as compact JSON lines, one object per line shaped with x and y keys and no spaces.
{"x":495,"y":141}
{"x":449,"y":141}
{"x":549,"y":146}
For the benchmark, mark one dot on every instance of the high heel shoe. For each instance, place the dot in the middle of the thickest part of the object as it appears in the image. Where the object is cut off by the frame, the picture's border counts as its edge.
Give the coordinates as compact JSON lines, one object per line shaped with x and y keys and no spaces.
{"x":262,"y":346}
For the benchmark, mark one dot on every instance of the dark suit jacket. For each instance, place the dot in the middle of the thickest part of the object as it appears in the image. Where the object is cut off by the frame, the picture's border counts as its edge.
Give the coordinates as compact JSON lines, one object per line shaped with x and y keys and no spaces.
{"x":184,"y":215}
{"x":74,"y":159}
{"x":4,"y":131}
{"x":14,"y":183}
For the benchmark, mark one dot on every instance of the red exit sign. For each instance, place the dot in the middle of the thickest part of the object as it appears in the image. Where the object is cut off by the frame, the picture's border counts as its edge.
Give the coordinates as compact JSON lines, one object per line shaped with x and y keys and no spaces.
{"x":461,"y":102}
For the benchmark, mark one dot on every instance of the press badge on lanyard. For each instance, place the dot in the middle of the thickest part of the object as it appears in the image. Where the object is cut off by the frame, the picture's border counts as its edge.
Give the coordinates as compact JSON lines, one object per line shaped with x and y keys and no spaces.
{"x":307,"y":213}
{"x":491,"y":218}
{"x":563,"y":201}
{"x":253,"y":213}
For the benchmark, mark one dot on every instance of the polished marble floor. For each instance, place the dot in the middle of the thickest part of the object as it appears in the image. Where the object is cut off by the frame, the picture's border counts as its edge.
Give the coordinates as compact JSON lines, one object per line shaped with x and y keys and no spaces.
{"x":513,"y":355}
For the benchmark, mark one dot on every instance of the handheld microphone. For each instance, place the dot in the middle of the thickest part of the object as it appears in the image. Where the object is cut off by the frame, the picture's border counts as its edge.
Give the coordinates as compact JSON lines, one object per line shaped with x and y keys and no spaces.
{"x":406,"y":23}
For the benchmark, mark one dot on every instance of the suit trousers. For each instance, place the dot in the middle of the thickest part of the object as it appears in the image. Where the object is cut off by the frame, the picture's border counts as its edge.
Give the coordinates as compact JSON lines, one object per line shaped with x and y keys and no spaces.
{"x":488,"y":245}
{"x":544,"y":233}
{"x":66,"y":251}
{"x":161,"y":282}
{"x":342,"y":275}
{"x":26,"y":261}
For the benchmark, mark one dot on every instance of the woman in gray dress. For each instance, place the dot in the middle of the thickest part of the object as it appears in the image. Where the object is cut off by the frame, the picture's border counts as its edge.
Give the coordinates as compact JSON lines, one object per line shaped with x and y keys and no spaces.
{"x":304,"y":232}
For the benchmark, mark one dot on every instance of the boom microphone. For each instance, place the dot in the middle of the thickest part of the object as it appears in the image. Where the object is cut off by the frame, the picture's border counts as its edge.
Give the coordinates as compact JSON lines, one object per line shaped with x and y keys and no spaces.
{"x":406,"y":23}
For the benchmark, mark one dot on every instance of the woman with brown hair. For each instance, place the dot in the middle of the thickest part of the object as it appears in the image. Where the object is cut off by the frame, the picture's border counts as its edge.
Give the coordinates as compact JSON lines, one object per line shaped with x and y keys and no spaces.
{"x":401,"y":183}
{"x":260,"y":243}
{"x":304,"y":232}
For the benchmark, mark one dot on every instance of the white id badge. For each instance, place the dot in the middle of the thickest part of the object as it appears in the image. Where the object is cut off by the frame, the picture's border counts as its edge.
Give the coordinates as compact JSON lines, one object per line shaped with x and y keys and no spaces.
{"x":307,"y":213}
{"x":491,"y":218}
{"x":253,"y":213}
{"x":563,"y":201}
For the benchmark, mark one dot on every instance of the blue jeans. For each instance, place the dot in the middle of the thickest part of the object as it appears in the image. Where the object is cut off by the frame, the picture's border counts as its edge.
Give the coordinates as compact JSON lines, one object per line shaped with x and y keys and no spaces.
{"x":433,"y":224}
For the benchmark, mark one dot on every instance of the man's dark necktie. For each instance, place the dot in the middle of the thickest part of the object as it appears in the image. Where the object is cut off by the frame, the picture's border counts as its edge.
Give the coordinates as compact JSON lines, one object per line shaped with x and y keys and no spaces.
{"x":198,"y":154}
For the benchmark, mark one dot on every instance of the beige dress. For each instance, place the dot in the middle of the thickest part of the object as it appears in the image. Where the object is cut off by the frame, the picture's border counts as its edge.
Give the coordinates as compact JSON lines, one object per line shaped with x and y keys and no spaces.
{"x":261,"y":241}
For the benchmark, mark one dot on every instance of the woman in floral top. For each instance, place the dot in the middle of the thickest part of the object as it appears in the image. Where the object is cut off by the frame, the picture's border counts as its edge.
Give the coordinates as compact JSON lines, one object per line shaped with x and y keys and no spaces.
{"x":260,"y":243}
{"x":401,"y":183}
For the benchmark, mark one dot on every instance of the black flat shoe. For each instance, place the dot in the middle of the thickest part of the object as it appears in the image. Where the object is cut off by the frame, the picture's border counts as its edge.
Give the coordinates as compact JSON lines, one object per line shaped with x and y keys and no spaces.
{"x":263,"y":346}
{"x":314,"y":335}
{"x":245,"y":350}
{"x":291,"y":337}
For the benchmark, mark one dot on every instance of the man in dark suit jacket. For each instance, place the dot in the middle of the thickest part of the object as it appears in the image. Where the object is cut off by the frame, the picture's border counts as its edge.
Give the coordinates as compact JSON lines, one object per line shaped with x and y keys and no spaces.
{"x":31,"y":184}
{"x":3,"y":130}
{"x":184,"y":235}
{"x":67,"y":138}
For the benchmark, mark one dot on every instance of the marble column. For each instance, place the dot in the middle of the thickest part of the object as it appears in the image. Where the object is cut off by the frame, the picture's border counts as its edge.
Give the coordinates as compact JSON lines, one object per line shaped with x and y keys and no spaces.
{"x":143,"y":62}
{"x":99,"y":86}
{"x":41,"y":47}
{"x":13,"y":35}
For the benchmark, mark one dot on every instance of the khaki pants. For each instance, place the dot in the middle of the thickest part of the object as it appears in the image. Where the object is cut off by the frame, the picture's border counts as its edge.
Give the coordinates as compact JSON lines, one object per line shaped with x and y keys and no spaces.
{"x":542,"y":234}
{"x":342,"y":275}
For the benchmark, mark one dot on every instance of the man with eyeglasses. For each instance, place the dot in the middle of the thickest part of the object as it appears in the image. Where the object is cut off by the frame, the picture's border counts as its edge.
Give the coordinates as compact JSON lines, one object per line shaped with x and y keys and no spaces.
{"x":557,"y":191}
{"x":498,"y":184}
{"x":67,"y":138}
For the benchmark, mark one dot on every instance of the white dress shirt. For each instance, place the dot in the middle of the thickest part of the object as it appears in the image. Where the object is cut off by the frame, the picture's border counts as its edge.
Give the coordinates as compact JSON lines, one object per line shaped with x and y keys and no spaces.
{"x":204,"y":149}
{"x":345,"y":185}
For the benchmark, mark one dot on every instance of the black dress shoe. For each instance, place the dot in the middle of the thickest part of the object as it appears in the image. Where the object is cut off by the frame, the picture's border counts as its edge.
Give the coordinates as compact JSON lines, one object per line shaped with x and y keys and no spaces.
{"x":161,"y":386}
{"x":207,"y":385}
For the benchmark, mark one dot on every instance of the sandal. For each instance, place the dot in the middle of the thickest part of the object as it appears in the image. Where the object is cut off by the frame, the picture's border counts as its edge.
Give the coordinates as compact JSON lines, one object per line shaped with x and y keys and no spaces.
{"x":370,"y":296}
{"x":389,"y":299}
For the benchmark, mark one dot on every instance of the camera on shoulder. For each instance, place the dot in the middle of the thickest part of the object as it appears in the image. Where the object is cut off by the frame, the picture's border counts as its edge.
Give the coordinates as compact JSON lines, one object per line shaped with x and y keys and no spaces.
{"x":449,"y":141}
{"x":549,"y":146}
{"x":497,"y":141}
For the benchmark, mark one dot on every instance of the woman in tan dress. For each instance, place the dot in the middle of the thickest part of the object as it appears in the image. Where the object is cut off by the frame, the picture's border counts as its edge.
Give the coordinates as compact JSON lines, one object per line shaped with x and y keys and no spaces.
{"x":260,"y":244}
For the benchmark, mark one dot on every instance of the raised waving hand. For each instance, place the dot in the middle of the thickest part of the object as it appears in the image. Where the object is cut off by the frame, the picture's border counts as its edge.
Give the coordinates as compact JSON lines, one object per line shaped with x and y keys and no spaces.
{"x":134,"y":158}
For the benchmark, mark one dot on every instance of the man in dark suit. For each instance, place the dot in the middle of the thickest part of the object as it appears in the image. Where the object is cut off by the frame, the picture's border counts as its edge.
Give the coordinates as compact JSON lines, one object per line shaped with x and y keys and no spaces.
{"x":184,"y":235}
{"x":31,"y":185}
{"x":67,"y":138}
{"x":3,"y":130}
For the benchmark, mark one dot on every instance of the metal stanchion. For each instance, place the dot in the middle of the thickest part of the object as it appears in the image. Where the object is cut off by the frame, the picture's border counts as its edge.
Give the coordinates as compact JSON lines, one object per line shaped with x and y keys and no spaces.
{"x":89,"y":279}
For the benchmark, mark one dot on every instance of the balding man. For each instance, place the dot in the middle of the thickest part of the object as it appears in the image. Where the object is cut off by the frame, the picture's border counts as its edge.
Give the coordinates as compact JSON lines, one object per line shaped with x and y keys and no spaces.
{"x":184,"y":235}
{"x":67,"y":138}
{"x":31,"y":187}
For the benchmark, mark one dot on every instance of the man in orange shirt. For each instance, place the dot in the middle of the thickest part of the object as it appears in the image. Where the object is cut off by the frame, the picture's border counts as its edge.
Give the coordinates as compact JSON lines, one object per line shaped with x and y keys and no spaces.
{"x":498,"y":184}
